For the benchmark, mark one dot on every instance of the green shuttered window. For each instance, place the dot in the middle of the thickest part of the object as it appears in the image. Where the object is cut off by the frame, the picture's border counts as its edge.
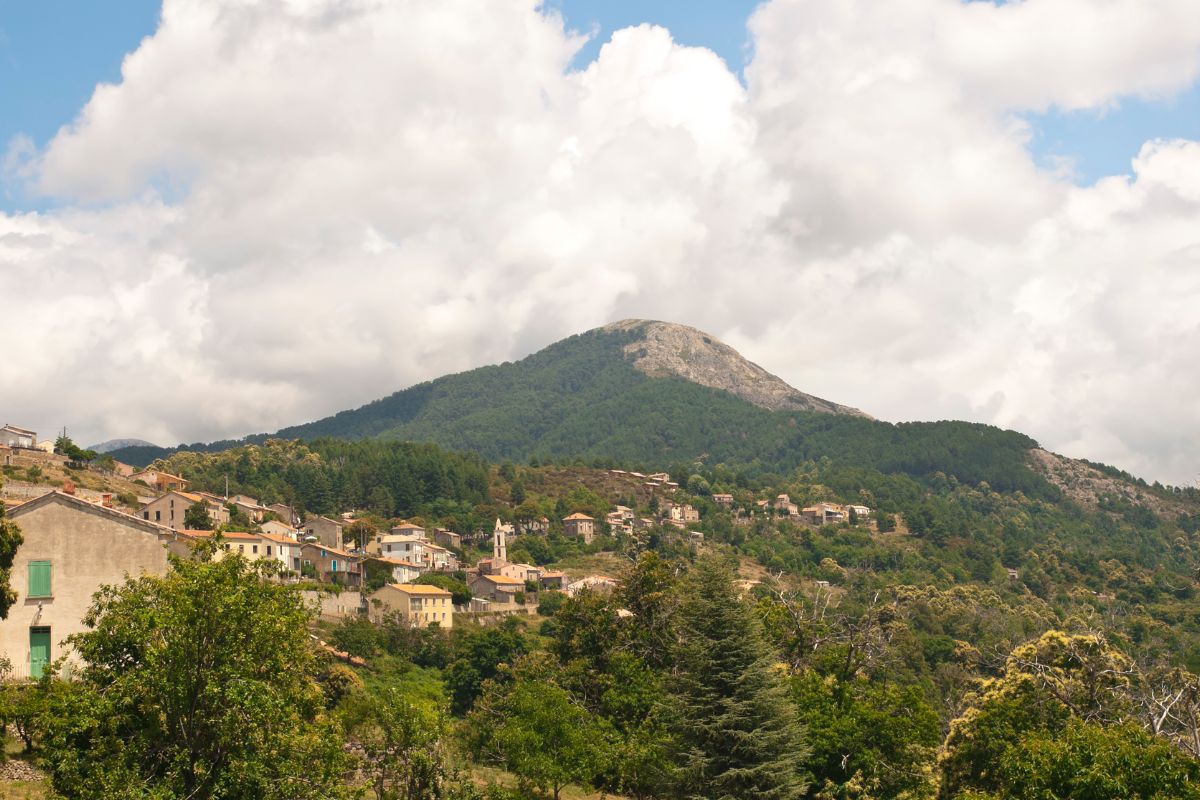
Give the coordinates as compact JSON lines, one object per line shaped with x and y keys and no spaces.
{"x":39,"y":579}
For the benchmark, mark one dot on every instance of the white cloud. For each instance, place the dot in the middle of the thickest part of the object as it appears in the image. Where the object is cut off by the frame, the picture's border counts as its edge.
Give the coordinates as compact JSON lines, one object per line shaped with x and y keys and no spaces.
{"x":298,"y":206}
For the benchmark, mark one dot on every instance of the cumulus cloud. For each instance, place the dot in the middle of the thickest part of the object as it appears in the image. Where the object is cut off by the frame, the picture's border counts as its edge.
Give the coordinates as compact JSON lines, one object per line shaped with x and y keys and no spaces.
{"x":291,"y":207}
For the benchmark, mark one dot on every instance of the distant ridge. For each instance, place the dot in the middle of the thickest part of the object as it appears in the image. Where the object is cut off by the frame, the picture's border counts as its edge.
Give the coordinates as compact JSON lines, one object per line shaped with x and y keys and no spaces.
{"x":120,"y":444}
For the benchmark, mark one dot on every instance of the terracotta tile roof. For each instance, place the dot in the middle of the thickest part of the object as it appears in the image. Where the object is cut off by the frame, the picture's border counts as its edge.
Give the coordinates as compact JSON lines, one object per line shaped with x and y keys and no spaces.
{"x":578,"y":515}
{"x":334,"y":550}
{"x":503,"y":579}
{"x":396,"y":561}
{"x":419,"y":588}
{"x":236,"y":536}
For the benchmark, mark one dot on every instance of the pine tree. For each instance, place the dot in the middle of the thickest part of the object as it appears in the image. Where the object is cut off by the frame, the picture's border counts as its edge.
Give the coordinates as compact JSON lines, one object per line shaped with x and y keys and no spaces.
{"x":738,"y":734}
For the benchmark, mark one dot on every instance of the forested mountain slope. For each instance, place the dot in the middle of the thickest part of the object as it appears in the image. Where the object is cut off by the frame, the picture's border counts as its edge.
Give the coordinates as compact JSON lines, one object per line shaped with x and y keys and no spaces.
{"x":616,"y":393}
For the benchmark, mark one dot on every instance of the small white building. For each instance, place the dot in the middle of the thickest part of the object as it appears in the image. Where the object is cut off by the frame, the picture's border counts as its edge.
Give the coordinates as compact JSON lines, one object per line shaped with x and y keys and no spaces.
{"x":12,"y":436}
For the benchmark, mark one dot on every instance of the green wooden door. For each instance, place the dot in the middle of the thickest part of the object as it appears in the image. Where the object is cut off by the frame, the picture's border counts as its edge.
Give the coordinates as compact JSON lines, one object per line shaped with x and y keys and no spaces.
{"x":39,"y":651}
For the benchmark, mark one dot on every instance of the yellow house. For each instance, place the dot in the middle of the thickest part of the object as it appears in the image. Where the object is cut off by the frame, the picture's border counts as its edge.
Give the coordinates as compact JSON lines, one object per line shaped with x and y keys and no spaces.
{"x":419,"y":605}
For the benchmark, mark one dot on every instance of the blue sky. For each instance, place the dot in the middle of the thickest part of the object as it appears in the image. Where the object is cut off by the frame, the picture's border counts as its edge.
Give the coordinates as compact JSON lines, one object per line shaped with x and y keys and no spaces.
{"x":54,"y":52}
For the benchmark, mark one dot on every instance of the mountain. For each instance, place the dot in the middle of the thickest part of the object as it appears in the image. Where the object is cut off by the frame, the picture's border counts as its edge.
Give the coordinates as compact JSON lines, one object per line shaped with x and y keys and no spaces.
{"x":655,"y":394}
{"x":664,"y":349}
{"x":120,"y":444}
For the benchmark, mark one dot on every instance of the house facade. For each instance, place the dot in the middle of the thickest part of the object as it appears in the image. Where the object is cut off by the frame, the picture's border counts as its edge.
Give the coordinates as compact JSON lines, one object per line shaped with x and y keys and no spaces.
{"x":331,"y":564}
{"x":580,"y":526}
{"x":284,"y":549}
{"x":496,"y":588}
{"x":398,"y":570}
{"x":419,"y":605}
{"x":171,"y":508}
{"x":71,"y":549}
{"x":277,"y":528}
{"x":448,"y":538}
{"x":286,"y":513}
{"x":162,"y":481}
{"x":12,"y":436}
{"x":323,"y":530}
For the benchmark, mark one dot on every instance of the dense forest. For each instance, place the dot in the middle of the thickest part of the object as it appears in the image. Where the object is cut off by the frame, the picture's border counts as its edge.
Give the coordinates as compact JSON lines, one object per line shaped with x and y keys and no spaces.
{"x":326,"y":475}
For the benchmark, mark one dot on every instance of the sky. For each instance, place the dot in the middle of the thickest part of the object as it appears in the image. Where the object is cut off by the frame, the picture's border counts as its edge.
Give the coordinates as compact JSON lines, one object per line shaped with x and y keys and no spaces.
{"x":223,"y":217}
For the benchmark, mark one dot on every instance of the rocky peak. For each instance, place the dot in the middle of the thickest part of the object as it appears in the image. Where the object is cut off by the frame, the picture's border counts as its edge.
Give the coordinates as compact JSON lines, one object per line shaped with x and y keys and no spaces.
{"x":664,"y":349}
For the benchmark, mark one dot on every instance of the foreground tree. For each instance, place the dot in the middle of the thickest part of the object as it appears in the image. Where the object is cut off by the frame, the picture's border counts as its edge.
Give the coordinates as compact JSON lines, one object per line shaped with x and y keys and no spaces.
{"x":737,"y":732}
{"x":198,"y":684}
{"x":1091,"y":762}
{"x":1046,"y":683}
{"x":10,"y":540}
{"x":196,"y":517}
{"x":532,"y":727}
{"x":401,"y":747}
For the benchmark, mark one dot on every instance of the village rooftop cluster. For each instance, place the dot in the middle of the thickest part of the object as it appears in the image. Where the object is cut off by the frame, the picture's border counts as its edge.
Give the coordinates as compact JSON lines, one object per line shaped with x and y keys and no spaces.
{"x":73,"y":545}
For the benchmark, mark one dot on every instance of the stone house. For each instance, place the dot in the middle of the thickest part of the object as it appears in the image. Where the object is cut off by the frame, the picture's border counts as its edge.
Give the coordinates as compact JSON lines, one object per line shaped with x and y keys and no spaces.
{"x":825,"y":514}
{"x":323,"y":530}
{"x":171,"y":508}
{"x":286,"y":513}
{"x":496,"y":588}
{"x":400,"y":571}
{"x":723,"y":500}
{"x":277,"y":528}
{"x":162,"y":481}
{"x":580,"y":526}
{"x":448,"y":538}
{"x":331,"y":564}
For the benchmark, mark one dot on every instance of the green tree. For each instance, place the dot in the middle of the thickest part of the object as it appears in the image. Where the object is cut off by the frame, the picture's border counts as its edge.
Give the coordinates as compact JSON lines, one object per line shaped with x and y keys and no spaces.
{"x":868,"y":738}
{"x":532,"y":726}
{"x":455,"y":586}
{"x":196,"y":684}
{"x":737,"y":732}
{"x":401,"y":747}
{"x":196,"y":518}
{"x":10,"y":540}
{"x":1046,"y":683}
{"x":1090,"y":762}
{"x":479,"y":655}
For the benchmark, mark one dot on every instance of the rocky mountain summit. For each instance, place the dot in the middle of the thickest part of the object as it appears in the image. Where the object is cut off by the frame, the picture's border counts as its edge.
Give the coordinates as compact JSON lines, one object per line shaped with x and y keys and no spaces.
{"x":666,"y":349}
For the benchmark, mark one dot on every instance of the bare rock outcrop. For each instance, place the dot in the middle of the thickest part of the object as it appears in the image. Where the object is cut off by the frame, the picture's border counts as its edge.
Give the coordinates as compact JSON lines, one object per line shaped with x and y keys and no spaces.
{"x":667,"y":349}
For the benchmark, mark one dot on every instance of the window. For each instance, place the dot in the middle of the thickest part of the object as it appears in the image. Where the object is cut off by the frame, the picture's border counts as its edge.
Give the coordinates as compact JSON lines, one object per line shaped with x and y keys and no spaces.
{"x":241,"y":548}
{"x":333,"y":566}
{"x":158,"y":516}
{"x":39,"y":579}
{"x":268,"y":549}
{"x":254,"y":548}
{"x":145,"y":515}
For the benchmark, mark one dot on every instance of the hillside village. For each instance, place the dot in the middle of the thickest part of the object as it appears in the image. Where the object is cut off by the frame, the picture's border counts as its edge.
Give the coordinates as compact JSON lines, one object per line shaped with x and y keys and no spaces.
{"x":882,"y":600}
{"x":355,"y":565}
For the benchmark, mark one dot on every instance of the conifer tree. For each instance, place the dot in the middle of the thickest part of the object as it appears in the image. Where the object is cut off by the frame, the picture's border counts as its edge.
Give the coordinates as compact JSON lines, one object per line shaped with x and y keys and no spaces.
{"x":737,"y":730}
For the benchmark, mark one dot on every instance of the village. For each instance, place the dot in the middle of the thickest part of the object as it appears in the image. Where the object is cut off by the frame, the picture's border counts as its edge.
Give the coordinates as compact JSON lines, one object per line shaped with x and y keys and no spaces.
{"x":76,"y":541}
